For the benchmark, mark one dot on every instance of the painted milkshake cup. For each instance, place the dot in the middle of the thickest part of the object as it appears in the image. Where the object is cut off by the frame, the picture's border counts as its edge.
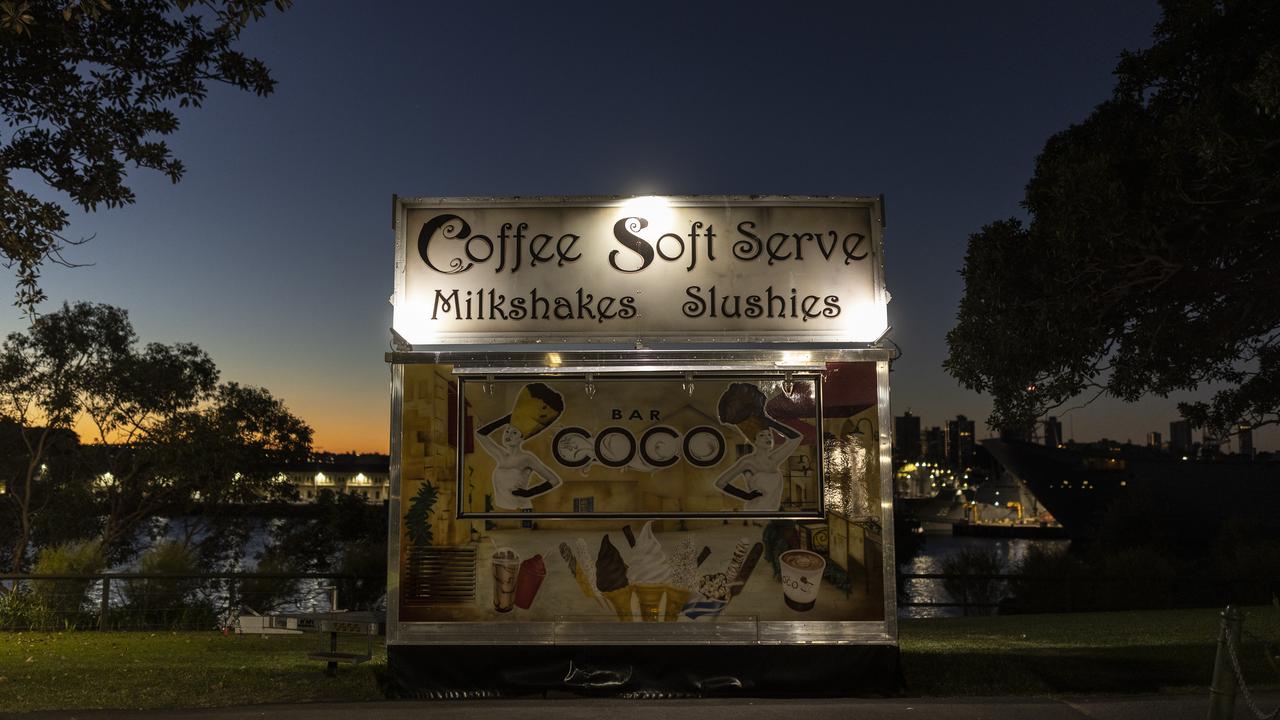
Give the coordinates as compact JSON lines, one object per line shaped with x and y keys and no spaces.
{"x":506,"y":569}
{"x":528,"y":580}
{"x":801,"y":577}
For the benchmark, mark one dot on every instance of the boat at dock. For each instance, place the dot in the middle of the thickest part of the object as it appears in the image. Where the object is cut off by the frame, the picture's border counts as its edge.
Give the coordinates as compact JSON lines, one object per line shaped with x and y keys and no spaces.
{"x":974,"y":503}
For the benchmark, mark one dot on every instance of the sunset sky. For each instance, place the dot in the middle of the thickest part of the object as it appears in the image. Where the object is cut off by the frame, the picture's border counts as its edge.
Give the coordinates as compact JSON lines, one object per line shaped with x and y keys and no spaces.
{"x":274,"y":253}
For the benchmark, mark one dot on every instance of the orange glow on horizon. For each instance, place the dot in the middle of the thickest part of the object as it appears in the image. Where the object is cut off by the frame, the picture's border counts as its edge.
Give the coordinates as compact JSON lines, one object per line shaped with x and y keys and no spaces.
{"x":353,"y":439}
{"x":341,"y":429}
{"x":330,"y":433}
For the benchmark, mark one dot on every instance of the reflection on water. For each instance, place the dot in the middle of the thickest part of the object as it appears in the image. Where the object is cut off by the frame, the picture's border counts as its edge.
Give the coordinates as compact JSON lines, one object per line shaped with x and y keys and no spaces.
{"x":937,"y":548}
{"x":310,"y":595}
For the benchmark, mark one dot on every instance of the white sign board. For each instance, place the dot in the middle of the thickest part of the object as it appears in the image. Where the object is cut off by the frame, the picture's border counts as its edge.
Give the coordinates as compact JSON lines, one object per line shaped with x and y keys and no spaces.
{"x":649,"y":268}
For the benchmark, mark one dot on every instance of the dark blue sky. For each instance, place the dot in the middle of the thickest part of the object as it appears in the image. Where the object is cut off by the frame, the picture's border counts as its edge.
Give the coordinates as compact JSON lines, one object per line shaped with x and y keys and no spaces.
{"x":275,"y":252}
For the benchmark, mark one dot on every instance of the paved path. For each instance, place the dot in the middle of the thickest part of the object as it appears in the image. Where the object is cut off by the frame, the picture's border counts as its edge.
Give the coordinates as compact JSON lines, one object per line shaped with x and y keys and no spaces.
{"x":1139,"y":707}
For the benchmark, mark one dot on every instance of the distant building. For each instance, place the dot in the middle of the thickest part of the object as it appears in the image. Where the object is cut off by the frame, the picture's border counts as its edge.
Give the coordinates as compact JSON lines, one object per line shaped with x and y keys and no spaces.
{"x":959,"y":441}
{"x":1180,"y":437}
{"x":906,"y":438}
{"x":935,"y":445}
{"x":1245,"y":435}
{"x":1154,"y":440}
{"x":1052,"y":432}
{"x":368,"y":476}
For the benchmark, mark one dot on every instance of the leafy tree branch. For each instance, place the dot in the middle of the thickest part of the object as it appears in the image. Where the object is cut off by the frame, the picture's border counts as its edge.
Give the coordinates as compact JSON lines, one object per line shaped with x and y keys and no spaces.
{"x":1150,"y":257}
{"x":90,"y":89}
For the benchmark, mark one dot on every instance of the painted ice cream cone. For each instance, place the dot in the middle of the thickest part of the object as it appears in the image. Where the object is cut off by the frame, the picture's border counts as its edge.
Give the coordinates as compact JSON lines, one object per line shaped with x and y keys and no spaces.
{"x":712,"y":597}
{"x":739,"y":557}
{"x":649,"y":573}
{"x":745,"y":569}
{"x":676,"y":598}
{"x":580,"y":574}
{"x":620,"y":601}
{"x":650,"y":601}
{"x":584,"y":583}
{"x":684,"y":577}
{"x":587,"y":565}
{"x":648,"y":563}
{"x":611,"y":579}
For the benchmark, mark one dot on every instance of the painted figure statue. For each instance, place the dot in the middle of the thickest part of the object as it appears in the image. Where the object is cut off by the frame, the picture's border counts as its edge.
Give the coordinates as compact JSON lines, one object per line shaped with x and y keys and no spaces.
{"x":536,"y":407}
{"x":742,"y":405}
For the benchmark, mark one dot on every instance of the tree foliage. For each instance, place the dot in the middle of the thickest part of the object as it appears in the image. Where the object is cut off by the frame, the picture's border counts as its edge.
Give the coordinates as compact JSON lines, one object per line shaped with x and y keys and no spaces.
{"x":339,"y":533}
{"x":88,"y":89}
{"x":228,"y":453}
{"x":1151,"y":258}
{"x":67,"y":595}
{"x":167,"y":437}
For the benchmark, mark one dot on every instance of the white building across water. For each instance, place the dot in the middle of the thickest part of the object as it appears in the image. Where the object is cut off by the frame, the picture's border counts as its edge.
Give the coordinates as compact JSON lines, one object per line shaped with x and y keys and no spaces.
{"x":366,"y":476}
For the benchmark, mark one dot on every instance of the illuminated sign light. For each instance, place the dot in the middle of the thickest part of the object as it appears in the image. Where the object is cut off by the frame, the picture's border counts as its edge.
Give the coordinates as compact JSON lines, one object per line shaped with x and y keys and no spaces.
{"x":682,"y":268}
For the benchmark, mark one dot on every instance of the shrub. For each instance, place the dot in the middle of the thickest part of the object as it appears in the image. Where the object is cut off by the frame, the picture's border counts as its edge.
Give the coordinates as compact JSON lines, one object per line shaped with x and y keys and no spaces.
{"x":363,"y":560}
{"x":964,"y":587}
{"x":167,"y":601}
{"x":267,"y":594}
{"x":22,"y":610}
{"x":1138,"y":578}
{"x":1250,"y":570}
{"x":67,"y":597}
{"x":1037,"y":589}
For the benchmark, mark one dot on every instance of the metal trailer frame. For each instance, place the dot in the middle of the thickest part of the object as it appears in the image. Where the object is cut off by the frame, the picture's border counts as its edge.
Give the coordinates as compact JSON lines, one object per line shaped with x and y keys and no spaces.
{"x":724,"y":358}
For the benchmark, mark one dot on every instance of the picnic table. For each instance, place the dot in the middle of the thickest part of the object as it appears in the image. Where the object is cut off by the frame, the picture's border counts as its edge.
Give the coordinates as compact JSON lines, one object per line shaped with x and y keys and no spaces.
{"x":333,"y":624}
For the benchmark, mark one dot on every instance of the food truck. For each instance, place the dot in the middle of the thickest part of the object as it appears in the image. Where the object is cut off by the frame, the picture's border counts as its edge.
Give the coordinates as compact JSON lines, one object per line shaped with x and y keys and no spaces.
{"x":640,"y":446}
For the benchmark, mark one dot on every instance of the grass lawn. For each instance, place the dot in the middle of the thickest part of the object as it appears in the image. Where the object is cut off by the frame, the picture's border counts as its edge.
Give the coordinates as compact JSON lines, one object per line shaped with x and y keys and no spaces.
{"x":1113,"y":652}
{"x":1123,"y":652}
{"x":83,"y":670}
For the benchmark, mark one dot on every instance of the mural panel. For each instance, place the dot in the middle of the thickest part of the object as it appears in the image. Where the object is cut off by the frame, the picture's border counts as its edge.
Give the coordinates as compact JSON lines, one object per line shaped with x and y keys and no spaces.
{"x":641,"y":499}
{"x":641,"y":446}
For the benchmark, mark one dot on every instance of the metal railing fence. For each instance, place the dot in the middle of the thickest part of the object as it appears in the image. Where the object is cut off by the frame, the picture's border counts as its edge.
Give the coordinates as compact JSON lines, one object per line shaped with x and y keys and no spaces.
{"x":980,"y":593}
{"x":141,"y":601}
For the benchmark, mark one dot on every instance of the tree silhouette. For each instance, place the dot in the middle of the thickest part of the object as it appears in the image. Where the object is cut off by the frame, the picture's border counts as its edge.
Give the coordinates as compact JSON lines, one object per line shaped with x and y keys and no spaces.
{"x":164,"y":436}
{"x":86,"y":89}
{"x":1151,"y":257}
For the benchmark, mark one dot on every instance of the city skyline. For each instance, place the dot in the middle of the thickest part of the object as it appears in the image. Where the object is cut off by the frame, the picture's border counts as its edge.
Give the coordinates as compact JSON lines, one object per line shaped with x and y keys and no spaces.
{"x":1176,"y":436}
{"x":274,"y":253}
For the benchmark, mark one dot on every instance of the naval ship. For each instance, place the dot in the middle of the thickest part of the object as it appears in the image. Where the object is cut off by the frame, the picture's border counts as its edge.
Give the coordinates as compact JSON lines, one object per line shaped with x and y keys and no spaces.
{"x":1079,"y":484}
